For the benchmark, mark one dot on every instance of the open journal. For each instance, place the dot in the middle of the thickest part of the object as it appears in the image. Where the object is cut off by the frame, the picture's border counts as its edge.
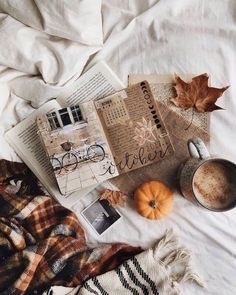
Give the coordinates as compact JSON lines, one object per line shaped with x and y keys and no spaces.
{"x":93,"y":141}
{"x":181,"y":125}
{"x":97,"y":82}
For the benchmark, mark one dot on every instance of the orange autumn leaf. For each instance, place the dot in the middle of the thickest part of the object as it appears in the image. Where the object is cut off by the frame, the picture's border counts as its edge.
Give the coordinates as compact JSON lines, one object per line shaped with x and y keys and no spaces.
{"x":113,"y":197}
{"x":197,"y":94}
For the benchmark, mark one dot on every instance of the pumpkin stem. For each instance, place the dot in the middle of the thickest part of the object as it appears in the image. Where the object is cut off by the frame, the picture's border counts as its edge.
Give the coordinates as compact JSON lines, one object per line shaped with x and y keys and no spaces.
{"x":153,"y":204}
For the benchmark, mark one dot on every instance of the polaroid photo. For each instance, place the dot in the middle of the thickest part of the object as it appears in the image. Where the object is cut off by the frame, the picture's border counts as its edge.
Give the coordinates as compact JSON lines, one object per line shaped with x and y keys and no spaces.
{"x":100,"y":215}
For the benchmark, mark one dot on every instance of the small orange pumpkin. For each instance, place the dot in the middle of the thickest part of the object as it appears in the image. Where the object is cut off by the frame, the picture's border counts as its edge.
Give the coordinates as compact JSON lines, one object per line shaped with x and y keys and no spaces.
{"x":153,"y":200}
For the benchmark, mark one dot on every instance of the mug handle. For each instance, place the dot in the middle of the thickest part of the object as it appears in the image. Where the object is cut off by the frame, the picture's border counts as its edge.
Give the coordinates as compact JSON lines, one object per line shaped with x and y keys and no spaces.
{"x":197,"y":148}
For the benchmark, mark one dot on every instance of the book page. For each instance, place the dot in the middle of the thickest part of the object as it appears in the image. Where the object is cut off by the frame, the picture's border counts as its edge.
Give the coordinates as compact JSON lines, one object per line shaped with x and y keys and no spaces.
{"x":163,"y":89}
{"x":97,"y":82}
{"x":134,"y":127}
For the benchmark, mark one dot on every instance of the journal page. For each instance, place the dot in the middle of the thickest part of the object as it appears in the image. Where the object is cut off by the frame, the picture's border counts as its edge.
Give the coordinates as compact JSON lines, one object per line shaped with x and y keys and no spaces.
{"x":134,"y":128}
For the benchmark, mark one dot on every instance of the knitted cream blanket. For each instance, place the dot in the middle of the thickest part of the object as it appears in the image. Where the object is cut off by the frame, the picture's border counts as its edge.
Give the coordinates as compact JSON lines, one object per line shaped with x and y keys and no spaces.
{"x":159,"y":270}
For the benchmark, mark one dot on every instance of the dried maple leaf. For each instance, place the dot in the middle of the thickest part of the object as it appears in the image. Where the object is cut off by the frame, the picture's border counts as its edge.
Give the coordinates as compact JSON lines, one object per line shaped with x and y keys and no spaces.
{"x":197,"y":94}
{"x":113,"y":197}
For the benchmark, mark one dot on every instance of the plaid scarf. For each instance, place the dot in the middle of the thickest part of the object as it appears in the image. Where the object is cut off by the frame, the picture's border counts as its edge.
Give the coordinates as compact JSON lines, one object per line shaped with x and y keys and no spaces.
{"x":42,"y":243}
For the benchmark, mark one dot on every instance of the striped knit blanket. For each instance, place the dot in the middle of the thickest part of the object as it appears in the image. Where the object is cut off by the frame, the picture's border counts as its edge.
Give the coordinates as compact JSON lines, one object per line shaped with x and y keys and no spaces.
{"x":42,"y":243}
{"x":159,"y":270}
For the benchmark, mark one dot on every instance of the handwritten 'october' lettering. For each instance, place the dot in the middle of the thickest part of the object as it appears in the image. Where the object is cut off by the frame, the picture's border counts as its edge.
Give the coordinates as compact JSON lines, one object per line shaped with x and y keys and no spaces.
{"x":131,"y":160}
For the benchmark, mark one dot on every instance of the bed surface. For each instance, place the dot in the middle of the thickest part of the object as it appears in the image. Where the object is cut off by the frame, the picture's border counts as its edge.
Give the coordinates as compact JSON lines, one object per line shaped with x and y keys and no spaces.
{"x":160,"y":37}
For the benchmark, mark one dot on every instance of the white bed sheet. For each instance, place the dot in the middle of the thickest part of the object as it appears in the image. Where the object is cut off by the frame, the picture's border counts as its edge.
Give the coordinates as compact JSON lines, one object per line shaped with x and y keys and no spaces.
{"x":168,"y":36}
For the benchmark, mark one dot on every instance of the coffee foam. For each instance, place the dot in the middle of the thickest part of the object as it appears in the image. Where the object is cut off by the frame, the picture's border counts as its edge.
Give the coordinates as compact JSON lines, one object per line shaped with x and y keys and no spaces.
{"x":214,"y":184}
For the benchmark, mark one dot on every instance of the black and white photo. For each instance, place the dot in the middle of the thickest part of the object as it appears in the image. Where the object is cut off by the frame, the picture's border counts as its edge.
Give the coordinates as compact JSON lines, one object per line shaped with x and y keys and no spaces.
{"x":100,"y":215}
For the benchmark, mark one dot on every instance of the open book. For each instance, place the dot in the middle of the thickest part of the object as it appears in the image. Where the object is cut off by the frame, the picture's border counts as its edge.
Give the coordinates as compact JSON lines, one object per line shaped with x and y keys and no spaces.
{"x":97,"y":140}
{"x":97,"y":82}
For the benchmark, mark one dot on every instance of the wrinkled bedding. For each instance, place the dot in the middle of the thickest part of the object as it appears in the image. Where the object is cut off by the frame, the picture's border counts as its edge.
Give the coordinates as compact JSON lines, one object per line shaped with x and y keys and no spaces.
{"x":41,"y":54}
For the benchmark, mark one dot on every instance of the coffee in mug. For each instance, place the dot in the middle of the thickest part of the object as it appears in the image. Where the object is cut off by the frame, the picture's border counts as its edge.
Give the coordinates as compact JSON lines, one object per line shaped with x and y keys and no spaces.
{"x":214,"y":184}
